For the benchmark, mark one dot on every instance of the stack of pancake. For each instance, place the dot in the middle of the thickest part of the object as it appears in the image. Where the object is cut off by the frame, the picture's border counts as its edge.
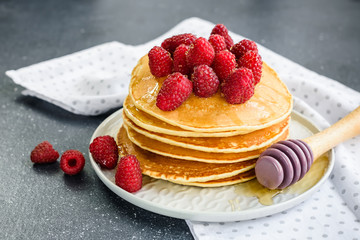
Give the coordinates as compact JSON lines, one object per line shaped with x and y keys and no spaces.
{"x":205,"y":142}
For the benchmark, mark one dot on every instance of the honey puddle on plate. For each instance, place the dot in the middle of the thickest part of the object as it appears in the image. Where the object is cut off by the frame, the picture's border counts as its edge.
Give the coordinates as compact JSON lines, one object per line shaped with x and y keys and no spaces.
{"x":265,"y":196}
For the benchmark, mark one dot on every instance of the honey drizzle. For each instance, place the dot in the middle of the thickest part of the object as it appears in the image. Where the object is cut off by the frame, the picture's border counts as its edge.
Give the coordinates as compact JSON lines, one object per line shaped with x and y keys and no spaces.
{"x":122,"y":150}
{"x":265,"y":196}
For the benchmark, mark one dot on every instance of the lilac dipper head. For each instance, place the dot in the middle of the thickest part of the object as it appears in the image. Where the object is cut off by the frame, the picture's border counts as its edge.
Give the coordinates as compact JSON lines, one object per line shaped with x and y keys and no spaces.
{"x":283,"y":164}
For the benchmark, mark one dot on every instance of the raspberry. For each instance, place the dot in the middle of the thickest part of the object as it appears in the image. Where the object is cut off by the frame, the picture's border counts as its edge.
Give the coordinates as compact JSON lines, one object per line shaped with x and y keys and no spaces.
{"x":224,"y":63}
{"x":218,"y":42}
{"x":222,"y":30}
{"x":44,"y":153}
{"x":128,"y":174}
{"x":252,"y":60}
{"x":175,"y":89}
{"x":104,"y":150}
{"x":240,"y":48}
{"x":72,"y":162}
{"x":200,"y":53}
{"x":180,"y":64}
{"x":239,"y":86}
{"x":160,"y":62}
{"x":205,"y":81}
{"x":171,"y":43}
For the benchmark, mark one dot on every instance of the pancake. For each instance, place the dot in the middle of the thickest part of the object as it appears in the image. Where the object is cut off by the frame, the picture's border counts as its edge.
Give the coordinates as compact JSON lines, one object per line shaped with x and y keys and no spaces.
{"x":270,"y":104}
{"x":177,"y":170}
{"x":146,"y":121}
{"x":242,"y":177}
{"x":168,"y":150}
{"x":234,"y":144}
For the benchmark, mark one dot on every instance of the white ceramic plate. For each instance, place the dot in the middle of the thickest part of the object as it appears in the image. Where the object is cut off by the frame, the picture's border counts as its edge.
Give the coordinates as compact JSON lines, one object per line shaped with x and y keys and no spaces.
{"x":205,"y":204}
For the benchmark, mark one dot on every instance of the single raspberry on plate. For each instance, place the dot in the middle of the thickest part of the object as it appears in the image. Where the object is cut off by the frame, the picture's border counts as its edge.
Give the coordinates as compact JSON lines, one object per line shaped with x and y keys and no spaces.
{"x":175,"y":89}
{"x":240,"y":48}
{"x":218,"y":42}
{"x":179,"y":57}
{"x":104,"y":151}
{"x":223,"y":31}
{"x":200,"y":53}
{"x":160,"y":62}
{"x":205,"y":81}
{"x":239,"y":86}
{"x":224,"y":63}
{"x":128,"y":175}
{"x":252,"y":60}
{"x":44,"y":153}
{"x":72,"y":162}
{"x":171,"y":43}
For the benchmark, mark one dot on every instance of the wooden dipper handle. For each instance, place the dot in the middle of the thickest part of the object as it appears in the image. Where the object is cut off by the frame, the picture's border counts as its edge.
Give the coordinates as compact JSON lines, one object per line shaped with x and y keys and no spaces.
{"x":346,"y":128}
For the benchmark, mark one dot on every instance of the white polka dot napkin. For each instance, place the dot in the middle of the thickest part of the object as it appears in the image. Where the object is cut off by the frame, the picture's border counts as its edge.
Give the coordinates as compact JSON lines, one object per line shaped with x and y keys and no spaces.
{"x":93,"y":81}
{"x":89,"y":82}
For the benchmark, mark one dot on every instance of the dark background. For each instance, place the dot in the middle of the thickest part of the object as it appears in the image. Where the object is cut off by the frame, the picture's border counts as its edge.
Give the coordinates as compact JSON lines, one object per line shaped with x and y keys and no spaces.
{"x":40,"y":202}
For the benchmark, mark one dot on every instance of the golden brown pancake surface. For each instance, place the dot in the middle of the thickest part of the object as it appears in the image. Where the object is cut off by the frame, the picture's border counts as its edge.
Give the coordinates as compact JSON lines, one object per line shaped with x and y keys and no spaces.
{"x":270,"y":104}
{"x":167,"y":168}
{"x":169,"y":150}
{"x":241,"y":177}
{"x":233,"y":144}
{"x":154,"y":124}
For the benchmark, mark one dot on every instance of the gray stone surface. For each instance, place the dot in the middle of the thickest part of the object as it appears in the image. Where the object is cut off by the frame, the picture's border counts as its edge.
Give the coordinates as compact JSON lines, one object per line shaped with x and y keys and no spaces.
{"x":40,"y":202}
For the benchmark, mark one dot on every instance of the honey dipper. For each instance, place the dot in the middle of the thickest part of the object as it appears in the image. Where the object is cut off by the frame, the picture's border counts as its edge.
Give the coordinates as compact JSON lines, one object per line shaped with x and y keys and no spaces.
{"x":286,"y":162}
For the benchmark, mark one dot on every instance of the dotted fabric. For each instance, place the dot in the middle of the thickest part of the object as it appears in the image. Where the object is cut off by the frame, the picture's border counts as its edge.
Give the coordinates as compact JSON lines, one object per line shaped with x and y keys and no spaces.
{"x":89,"y":82}
{"x":95,"y":80}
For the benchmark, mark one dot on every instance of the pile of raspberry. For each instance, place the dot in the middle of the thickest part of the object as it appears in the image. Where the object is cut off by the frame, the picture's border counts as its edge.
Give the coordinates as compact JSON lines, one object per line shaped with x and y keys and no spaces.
{"x":203,"y":66}
{"x":72,"y":161}
{"x":104,"y":151}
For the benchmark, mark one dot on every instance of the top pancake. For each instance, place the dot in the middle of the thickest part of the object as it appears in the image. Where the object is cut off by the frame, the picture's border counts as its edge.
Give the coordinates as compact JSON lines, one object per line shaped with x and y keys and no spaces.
{"x":154,"y":124}
{"x":270,"y":104}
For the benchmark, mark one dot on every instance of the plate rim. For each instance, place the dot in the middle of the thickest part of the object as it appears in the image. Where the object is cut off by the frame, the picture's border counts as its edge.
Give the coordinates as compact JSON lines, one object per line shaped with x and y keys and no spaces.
{"x":207,"y":216}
